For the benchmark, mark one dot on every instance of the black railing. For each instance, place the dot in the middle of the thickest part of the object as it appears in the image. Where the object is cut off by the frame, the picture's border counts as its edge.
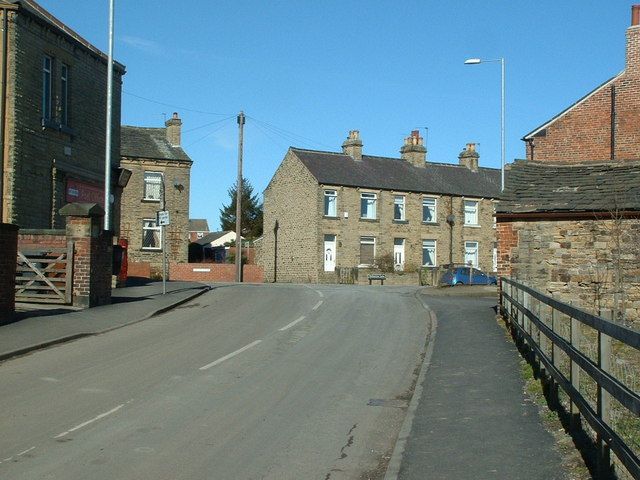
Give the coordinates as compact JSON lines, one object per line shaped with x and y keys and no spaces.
{"x":552,"y":329}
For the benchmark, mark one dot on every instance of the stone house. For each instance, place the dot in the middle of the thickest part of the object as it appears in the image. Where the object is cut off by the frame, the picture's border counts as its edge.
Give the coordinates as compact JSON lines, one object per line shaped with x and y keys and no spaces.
{"x":569,"y":221}
{"x":52,"y":117}
{"x":324,"y":211}
{"x":160,"y":179}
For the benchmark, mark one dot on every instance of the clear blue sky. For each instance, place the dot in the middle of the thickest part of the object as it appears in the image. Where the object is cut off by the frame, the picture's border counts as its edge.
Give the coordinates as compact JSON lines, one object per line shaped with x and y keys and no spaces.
{"x":306,"y":73}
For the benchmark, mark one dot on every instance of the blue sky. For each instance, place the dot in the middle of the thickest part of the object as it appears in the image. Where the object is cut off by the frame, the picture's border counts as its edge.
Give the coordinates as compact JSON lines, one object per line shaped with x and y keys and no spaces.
{"x":305,"y":73}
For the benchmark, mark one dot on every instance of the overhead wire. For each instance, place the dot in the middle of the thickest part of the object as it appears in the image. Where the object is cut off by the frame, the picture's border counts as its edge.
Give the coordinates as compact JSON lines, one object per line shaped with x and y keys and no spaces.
{"x":177,"y":107}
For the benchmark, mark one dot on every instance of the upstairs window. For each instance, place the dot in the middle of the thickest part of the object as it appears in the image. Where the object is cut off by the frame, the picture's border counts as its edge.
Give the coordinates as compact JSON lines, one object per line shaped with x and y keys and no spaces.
{"x":429,"y":214}
{"x":398,"y":207}
{"x":47,"y":64}
{"x":368,"y":203}
{"x":152,"y":186}
{"x":330,"y":203}
{"x":470,"y":212}
{"x":64,"y":95}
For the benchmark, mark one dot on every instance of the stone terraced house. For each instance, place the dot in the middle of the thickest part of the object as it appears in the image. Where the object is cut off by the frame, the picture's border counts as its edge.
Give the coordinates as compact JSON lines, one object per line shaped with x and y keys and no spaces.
{"x":161,"y":172}
{"x":324,"y":211}
{"x":52,"y":117}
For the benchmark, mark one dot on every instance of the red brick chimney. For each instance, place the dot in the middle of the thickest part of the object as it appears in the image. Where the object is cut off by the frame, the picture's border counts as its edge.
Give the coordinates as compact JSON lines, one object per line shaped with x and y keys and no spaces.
{"x":174,"y":127}
{"x":633,"y":43}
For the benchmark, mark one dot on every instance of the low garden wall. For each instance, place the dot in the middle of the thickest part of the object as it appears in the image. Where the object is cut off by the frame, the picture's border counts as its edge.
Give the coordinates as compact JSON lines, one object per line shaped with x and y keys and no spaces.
{"x":214,"y":272}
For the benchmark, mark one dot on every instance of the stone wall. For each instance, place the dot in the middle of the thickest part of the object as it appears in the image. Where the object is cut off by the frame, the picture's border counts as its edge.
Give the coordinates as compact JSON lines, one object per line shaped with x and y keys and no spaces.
{"x":8,"y":255}
{"x":583,"y":134}
{"x":291,"y":253}
{"x":44,"y":154}
{"x":135,"y":209}
{"x":578,"y":261}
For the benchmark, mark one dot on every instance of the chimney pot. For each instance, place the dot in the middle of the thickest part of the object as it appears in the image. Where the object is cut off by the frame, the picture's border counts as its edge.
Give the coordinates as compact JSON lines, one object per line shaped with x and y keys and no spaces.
{"x":469,"y":157}
{"x":414,"y":150}
{"x":635,"y":15}
{"x":173,"y":130}
{"x":352,"y":146}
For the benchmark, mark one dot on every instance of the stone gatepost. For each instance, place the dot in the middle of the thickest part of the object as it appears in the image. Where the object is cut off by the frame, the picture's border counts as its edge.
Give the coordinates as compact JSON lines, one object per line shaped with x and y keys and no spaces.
{"x":8,"y":260}
{"x":92,"y":254}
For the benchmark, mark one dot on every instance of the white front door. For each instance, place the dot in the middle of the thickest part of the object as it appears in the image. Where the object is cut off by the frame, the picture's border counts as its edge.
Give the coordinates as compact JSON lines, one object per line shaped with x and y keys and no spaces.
{"x":471,"y":254}
{"x":329,"y":253}
{"x":398,"y":254}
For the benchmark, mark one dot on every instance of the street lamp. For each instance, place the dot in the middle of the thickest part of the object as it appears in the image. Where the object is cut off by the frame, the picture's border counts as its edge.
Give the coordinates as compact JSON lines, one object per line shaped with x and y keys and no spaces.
{"x":475,"y":61}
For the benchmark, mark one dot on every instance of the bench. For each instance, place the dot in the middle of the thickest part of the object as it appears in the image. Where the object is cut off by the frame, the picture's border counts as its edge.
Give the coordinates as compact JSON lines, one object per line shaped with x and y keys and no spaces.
{"x":377,"y":276}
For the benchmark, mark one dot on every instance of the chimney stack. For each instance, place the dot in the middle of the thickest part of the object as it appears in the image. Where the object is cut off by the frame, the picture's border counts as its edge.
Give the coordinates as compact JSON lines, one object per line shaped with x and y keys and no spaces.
{"x":469,"y":157}
{"x":174,"y":127}
{"x":414,"y":150}
{"x":633,"y":43}
{"x":352,"y":146}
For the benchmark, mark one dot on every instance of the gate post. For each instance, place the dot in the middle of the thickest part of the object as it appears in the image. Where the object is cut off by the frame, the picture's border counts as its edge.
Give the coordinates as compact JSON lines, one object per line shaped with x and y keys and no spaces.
{"x":92,"y":254}
{"x":8,"y":259}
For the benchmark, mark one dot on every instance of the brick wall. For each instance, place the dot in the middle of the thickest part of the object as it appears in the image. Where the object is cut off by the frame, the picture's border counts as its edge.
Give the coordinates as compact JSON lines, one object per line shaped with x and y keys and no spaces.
{"x":578,"y":261}
{"x":135,"y":210}
{"x":138,"y":269}
{"x":8,"y":255}
{"x":35,"y":191}
{"x":507,"y":241}
{"x":33,"y":239}
{"x":584,"y":133}
{"x":214,"y":272}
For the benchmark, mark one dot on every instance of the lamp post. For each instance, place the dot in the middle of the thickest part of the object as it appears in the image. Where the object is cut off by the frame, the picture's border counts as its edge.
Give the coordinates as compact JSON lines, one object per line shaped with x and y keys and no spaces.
{"x":107,"y":155}
{"x":475,"y":61}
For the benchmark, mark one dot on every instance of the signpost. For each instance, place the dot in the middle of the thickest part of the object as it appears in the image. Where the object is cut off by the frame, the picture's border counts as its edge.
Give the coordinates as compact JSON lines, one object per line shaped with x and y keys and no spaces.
{"x":162,"y":220}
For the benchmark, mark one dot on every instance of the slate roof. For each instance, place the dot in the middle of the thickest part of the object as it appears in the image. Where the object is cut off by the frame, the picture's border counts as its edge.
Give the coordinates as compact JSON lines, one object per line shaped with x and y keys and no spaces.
{"x":542,"y":187}
{"x":143,"y":142}
{"x":396,"y":174}
{"x":198,"y":225}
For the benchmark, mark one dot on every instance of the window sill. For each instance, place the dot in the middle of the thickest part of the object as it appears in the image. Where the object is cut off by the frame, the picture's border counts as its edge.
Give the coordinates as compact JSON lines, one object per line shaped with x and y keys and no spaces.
{"x":370,"y":220}
{"x":400,"y":221}
{"x":147,"y":249}
{"x":150,"y":200}
{"x":331,"y":217}
{"x":468,"y":225}
{"x":49,"y":124}
{"x":435,"y":224}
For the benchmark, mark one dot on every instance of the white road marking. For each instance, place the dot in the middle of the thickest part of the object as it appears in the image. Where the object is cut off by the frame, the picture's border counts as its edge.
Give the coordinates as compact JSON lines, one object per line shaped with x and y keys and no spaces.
{"x":317,"y":305}
{"x":320,"y":293}
{"x":88,"y":422}
{"x":287,"y":327}
{"x":232,"y":354}
{"x":17,"y":455}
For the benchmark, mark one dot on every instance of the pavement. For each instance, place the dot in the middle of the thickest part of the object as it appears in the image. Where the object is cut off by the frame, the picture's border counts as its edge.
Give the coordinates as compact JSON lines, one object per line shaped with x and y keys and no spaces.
{"x":38,"y":326}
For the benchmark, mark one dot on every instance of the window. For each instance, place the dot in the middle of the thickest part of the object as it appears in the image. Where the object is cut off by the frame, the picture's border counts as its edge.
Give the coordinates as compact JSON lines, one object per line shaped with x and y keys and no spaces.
{"x":494,"y":263}
{"x":64,"y":95}
{"x":47,"y":63}
{"x":429,"y":210}
{"x":368,"y":205}
{"x":330,"y":203}
{"x":152,"y":186}
{"x":470,"y":212}
{"x":199,"y":234}
{"x":471,"y":254}
{"x":151,"y":236}
{"x":429,"y":253}
{"x":398,"y":207}
{"x":367,"y":250}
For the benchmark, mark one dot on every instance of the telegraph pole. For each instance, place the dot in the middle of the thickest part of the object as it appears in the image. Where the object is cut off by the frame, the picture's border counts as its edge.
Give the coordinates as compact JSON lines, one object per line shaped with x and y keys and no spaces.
{"x":241,"y":120}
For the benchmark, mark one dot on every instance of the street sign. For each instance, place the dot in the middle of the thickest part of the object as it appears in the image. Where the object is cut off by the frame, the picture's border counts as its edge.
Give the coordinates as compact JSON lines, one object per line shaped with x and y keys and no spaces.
{"x":163,"y":218}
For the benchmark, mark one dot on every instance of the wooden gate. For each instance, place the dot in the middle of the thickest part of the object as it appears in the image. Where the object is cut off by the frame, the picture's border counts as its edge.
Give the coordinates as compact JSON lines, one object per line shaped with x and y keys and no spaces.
{"x":45,"y":276}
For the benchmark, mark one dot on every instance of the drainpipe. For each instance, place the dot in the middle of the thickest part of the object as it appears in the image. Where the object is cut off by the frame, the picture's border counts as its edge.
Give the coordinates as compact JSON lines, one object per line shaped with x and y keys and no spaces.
{"x":3,"y":106}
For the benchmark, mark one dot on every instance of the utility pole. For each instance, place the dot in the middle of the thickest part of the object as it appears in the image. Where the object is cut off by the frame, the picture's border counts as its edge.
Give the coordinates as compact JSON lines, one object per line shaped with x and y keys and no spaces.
{"x":107,"y":156}
{"x":241,"y":120}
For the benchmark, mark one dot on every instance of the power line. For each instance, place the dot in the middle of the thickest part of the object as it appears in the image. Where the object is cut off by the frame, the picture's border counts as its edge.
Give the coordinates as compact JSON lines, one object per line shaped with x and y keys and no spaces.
{"x":209,"y":124}
{"x":287,"y":135}
{"x":177,"y":107}
{"x":207,"y":135}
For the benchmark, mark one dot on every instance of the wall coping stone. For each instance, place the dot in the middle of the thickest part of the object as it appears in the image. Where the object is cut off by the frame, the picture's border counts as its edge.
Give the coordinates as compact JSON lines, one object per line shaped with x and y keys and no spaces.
{"x":82,"y":210}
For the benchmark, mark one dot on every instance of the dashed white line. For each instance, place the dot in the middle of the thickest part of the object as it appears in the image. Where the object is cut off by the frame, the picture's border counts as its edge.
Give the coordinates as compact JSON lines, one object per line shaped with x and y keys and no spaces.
{"x":17,"y":455}
{"x":287,"y":327}
{"x":88,"y":422}
{"x":232,"y":354}
{"x":317,"y":306}
{"x":320,"y":293}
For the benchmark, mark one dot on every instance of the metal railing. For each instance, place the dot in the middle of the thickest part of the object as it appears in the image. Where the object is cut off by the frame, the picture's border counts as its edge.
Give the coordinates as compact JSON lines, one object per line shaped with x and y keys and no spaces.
{"x":556,"y":333}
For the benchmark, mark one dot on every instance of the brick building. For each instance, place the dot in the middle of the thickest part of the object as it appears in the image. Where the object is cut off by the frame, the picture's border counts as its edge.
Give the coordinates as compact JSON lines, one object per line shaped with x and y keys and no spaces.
{"x":160,"y":174}
{"x":53,"y":116}
{"x":602,"y":125}
{"x":198,"y":228}
{"x":327,"y":210}
{"x":570,"y":217}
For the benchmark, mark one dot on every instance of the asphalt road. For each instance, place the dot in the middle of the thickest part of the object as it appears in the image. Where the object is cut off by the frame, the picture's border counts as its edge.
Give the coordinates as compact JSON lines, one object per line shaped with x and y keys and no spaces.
{"x":246,"y":382}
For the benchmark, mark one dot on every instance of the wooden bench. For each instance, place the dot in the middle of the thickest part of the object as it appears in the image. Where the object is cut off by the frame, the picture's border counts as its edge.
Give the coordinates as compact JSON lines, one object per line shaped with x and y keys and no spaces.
{"x":377,"y":276}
